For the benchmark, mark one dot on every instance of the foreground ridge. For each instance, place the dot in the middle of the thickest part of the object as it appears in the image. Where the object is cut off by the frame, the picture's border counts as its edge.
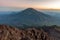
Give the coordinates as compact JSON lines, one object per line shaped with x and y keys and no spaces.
{"x":11,"y":33}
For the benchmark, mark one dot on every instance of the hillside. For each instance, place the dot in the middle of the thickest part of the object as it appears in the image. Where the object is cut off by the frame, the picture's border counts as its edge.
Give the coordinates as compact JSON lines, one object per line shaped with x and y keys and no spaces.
{"x":11,"y":33}
{"x":45,"y":33}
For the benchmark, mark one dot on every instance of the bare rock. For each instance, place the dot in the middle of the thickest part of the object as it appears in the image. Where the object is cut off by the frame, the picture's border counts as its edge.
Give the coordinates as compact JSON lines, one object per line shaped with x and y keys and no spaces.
{"x":11,"y":33}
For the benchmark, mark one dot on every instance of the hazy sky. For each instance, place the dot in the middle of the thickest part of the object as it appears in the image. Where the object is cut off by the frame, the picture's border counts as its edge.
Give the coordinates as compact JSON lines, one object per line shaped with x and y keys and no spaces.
{"x":41,"y":4}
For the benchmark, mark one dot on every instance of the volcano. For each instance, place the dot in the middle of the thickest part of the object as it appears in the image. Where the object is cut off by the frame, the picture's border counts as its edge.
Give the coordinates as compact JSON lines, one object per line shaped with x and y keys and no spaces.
{"x":28,"y":16}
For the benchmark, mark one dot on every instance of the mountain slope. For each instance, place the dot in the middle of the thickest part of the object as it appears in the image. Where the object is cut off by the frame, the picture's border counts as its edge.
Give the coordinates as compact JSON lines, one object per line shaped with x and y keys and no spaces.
{"x":31,"y":17}
{"x":28,"y":16}
{"x":53,"y":31}
{"x":12,"y":33}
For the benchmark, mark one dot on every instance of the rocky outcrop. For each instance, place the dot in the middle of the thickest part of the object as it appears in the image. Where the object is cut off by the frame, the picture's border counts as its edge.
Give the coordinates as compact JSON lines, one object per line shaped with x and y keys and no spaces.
{"x":11,"y":33}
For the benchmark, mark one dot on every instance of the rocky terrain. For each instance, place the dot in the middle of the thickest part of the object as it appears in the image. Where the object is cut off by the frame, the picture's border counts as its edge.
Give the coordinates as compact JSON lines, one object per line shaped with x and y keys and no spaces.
{"x":12,"y":33}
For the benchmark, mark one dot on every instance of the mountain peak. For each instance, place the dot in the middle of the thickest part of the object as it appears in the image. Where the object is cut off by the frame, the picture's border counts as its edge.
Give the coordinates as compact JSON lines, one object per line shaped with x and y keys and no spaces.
{"x":30,"y":9}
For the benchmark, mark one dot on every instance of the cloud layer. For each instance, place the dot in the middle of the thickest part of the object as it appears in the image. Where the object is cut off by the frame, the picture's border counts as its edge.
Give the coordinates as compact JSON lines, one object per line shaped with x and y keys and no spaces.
{"x":29,"y":3}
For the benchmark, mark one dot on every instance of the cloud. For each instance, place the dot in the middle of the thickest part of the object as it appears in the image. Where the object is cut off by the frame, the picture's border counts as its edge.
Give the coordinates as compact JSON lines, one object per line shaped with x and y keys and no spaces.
{"x":35,"y":0}
{"x":30,"y":0}
{"x":26,"y":3}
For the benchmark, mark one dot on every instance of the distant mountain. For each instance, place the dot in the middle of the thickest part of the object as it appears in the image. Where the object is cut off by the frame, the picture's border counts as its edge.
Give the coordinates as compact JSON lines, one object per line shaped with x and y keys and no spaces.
{"x":28,"y":16}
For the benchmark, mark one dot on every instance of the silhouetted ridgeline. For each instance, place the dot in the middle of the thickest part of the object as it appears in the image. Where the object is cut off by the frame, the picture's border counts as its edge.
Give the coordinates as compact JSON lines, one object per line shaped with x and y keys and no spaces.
{"x":44,"y":33}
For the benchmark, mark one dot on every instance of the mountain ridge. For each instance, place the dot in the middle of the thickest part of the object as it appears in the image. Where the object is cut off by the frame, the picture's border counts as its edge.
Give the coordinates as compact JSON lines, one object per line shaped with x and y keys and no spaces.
{"x":29,"y":17}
